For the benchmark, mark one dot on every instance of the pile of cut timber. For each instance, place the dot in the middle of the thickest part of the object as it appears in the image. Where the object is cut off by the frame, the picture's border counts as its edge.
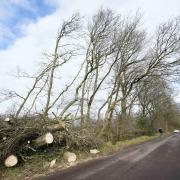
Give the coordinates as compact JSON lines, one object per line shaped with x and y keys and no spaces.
{"x":19,"y":136}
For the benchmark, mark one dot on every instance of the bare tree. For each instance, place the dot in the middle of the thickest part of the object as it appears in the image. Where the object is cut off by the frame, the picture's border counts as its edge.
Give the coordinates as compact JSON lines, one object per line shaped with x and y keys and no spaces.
{"x":67,"y":29}
{"x":44,"y":80}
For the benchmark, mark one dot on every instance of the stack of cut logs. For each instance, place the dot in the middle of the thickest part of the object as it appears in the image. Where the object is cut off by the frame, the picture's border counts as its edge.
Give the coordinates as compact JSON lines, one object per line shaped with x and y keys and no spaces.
{"x":19,"y":136}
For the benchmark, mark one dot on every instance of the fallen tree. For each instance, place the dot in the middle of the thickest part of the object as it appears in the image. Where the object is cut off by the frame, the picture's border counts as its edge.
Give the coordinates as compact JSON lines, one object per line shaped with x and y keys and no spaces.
{"x":23,"y":137}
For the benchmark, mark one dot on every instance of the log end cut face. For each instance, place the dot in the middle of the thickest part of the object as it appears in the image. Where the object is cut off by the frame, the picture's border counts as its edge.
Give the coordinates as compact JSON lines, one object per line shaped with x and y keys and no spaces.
{"x":70,"y":157}
{"x":49,"y":138}
{"x":11,"y":161}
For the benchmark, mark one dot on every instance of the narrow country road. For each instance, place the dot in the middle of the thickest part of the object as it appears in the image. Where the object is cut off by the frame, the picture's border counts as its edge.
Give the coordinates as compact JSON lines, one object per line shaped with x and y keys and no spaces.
{"x":155,"y":160}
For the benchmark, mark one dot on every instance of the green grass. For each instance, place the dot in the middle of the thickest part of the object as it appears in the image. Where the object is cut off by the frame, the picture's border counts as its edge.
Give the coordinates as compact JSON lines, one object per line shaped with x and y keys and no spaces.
{"x":120,"y":145}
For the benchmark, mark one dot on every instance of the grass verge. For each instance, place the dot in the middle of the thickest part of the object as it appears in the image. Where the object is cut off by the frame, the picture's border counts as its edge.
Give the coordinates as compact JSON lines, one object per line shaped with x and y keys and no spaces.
{"x":120,"y":145}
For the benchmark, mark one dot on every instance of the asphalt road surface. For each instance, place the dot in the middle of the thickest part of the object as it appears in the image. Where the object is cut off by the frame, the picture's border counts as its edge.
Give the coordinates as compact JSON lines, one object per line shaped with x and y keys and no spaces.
{"x":155,"y":160}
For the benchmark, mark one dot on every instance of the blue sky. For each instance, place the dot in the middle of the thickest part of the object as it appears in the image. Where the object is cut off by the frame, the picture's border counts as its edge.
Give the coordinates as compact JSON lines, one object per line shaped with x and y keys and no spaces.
{"x":15,"y":13}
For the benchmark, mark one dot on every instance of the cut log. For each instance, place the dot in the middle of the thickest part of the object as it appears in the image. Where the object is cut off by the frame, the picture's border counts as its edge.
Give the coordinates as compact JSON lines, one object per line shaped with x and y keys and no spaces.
{"x":56,"y":127}
{"x":43,"y":140}
{"x":11,"y":161}
{"x":70,"y":157}
{"x":6,"y":119}
{"x":4,"y":138}
{"x":94,"y":151}
{"x":52,"y":163}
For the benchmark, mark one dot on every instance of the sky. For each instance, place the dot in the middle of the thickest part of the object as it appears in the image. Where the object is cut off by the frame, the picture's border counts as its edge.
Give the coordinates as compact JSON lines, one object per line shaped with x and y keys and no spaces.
{"x":28,"y":28}
{"x":14,"y":14}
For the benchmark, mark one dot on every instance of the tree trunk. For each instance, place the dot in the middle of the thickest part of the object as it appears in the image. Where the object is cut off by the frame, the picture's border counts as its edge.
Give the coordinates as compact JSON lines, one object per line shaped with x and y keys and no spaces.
{"x":43,"y":140}
{"x":56,"y":127}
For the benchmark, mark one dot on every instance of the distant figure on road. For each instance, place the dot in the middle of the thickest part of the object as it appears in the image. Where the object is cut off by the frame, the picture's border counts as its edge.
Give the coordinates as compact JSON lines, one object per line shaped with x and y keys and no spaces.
{"x":160,"y":131}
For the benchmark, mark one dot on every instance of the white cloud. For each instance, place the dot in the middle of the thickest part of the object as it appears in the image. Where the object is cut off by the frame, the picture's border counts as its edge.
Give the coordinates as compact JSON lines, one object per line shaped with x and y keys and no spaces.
{"x":26,"y":52}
